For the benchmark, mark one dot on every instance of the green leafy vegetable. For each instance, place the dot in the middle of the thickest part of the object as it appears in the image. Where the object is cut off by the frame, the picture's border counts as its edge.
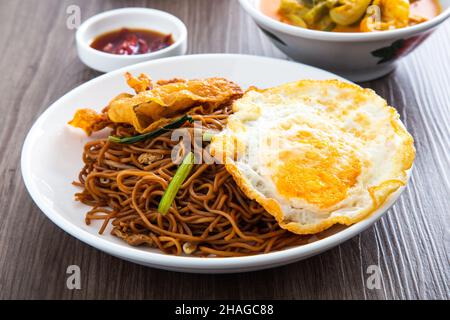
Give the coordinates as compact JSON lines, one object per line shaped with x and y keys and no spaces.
{"x":180,"y":175}
{"x":174,"y":125}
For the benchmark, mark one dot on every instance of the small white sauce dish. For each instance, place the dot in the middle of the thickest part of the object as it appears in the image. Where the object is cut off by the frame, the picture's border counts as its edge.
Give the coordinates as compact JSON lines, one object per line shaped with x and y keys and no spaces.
{"x":134,"y":18}
{"x":355,"y":56}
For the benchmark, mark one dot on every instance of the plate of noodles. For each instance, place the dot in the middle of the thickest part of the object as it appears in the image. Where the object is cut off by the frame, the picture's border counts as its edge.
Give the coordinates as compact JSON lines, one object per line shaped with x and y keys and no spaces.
{"x":216,"y":163}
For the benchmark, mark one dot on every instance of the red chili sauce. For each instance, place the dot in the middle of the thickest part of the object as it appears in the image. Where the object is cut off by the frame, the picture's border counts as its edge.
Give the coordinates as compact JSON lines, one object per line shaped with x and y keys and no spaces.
{"x":132,"y":41}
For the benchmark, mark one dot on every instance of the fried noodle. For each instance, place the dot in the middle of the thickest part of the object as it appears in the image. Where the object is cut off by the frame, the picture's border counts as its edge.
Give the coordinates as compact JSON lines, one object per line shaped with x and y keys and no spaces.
{"x":123,"y":183}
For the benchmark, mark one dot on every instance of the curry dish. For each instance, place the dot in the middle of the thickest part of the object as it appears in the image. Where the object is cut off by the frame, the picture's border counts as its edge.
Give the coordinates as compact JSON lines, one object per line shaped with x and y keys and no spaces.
{"x":351,"y":15}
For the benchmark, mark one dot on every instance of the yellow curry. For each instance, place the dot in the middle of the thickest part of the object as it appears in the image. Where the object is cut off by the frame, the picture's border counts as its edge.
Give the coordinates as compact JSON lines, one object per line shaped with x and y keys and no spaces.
{"x":351,"y":15}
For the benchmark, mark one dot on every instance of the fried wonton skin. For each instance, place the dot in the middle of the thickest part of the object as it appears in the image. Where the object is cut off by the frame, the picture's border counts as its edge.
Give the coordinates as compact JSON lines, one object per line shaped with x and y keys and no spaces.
{"x":156,"y":104}
{"x":139,"y":84}
{"x":149,"y":109}
{"x":89,"y":120}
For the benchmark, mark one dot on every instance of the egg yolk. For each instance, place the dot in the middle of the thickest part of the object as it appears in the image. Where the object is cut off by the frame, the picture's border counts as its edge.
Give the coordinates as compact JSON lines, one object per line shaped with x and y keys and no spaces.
{"x":320,"y":174}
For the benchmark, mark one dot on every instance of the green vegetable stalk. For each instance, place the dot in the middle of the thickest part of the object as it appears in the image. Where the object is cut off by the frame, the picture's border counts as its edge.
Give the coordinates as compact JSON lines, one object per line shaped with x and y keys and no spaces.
{"x":153,"y":134}
{"x":180,"y":175}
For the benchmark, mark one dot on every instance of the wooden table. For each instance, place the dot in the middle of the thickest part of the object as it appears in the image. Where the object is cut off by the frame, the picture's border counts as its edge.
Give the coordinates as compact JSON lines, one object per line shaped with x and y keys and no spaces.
{"x":410,"y":244}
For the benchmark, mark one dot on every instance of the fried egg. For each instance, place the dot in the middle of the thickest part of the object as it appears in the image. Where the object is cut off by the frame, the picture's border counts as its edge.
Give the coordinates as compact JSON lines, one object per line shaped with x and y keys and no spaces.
{"x":315,"y":153}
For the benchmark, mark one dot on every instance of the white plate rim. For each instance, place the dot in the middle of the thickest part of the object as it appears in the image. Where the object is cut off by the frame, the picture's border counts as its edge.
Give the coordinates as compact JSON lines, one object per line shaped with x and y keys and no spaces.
{"x":187,"y":264}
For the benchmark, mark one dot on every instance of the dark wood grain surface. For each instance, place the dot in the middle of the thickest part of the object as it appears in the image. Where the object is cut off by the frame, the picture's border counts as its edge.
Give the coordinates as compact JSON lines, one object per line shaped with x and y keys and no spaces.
{"x":38,"y":64}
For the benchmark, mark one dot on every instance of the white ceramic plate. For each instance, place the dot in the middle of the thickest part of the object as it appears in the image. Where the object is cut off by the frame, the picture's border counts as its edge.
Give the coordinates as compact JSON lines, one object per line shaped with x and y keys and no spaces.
{"x":51,"y":158}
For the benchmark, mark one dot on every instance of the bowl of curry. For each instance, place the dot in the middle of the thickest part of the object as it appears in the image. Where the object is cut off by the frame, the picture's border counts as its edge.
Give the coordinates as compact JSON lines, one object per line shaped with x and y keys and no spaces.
{"x":357,"y":39}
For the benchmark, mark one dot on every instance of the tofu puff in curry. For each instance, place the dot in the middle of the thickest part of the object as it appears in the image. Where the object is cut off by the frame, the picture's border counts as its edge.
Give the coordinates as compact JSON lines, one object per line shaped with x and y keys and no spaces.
{"x":351,"y":15}
{"x":334,"y":154}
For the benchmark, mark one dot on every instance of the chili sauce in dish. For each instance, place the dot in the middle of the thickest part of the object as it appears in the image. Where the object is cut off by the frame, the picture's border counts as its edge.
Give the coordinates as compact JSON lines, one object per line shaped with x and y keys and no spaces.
{"x":127,"y":41}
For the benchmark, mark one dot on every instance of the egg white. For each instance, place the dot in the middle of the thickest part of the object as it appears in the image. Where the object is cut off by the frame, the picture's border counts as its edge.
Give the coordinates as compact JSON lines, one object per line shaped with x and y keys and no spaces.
{"x":315,"y":153}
